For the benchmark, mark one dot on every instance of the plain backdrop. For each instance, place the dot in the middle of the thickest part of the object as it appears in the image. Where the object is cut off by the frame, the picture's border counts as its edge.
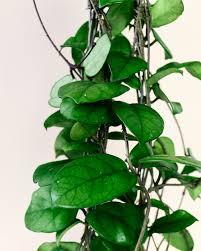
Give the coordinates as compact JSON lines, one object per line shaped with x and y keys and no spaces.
{"x":29,"y":66}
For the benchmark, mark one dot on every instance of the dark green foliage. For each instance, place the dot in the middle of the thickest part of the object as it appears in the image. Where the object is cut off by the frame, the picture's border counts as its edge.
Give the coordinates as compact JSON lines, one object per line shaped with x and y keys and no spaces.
{"x":116,"y":197}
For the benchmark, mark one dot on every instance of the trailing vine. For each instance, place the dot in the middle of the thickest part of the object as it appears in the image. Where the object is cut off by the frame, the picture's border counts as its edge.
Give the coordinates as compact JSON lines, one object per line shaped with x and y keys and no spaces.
{"x":117,"y":198}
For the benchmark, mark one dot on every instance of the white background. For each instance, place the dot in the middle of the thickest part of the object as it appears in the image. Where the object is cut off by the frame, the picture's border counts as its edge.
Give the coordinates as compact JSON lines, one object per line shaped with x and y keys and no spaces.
{"x":29,"y":67}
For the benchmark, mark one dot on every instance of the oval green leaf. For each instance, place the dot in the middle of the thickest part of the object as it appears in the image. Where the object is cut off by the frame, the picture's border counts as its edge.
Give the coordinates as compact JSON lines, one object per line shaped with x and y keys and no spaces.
{"x":91,"y":180}
{"x":58,"y":120}
{"x":64,"y":246}
{"x":144,"y":122}
{"x":42,"y":216}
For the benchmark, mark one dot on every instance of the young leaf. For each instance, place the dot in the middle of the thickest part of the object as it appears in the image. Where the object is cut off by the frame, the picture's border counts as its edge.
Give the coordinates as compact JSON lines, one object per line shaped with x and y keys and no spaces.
{"x":164,"y":12}
{"x":44,"y":174}
{"x":120,"y":15}
{"x":89,"y":92}
{"x":176,"y":107}
{"x":82,"y":131}
{"x":160,"y":205}
{"x":91,"y":180}
{"x":175,"y":222}
{"x":144,"y":122}
{"x":80,"y":39}
{"x":123,"y":222}
{"x":42,"y":216}
{"x":57,"y":119}
{"x":181,"y":240}
{"x":63,"y":246}
{"x":99,"y":244}
{"x":152,"y":160}
{"x":138,"y":152}
{"x":164,"y":145}
{"x":194,"y":68}
{"x":64,"y":145}
{"x":195,"y":189}
{"x":122,"y":66}
{"x":85,"y":113}
{"x":161,"y":74}
{"x":55,"y":100}
{"x":168,"y":54}
{"x":97,"y":57}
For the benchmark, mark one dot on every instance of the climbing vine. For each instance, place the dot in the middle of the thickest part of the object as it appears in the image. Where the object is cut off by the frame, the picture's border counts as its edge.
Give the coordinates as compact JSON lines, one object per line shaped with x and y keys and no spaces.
{"x":113,"y":198}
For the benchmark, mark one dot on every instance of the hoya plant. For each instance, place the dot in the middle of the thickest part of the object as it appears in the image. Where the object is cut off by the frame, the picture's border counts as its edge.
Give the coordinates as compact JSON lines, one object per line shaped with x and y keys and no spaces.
{"x":119,"y":201}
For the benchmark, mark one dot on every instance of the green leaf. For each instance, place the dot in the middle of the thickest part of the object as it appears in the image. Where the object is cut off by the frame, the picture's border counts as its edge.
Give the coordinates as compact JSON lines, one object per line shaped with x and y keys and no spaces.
{"x":180,"y":240}
{"x":160,"y":205}
{"x":120,"y":15}
{"x":164,"y":145}
{"x":195,"y":189}
{"x":123,"y":221}
{"x":168,"y":54}
{"x":120,"y":136}
{"x":64,"y":145}
{"x":42,"y":216}
{"x":85,"y":113}
{"x":91,"y":180}
{"x":138,"y":152}
{"x":44,"y":174}
{"x":161,"y":74}
{"x":82,"y":131}
{"x":103,"y":3}
{"x":163,"y":12}
{"x":89,"y":92}
{"x":99,"y":244}
{"x":144,"y":122}
{"x":152,"y":160}
{"x":64,"y":246}
{"x":176,"y":107}
{"x":194,"y":68}
{"x":175,"y":222}
{"x":57,"y":119}
{"x":122,"y":66}
{"x":133,"y":82}
{"x":80,"y":39}
{"x":55,"y":100}
{"x":121,"y":44}
{"x":97,"y":57}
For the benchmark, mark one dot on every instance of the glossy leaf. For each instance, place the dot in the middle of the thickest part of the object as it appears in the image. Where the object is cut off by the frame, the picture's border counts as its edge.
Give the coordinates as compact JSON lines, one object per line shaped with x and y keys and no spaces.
{"x":122,"y":67}
{"x":64,"y":246}
{"x":133,"y":82}
{"x":82,"y":184}
{"x":138,"y":152}
{"x":57,"y":119}
{"x":175,"y":222}
{"x":194,"y":68}
{"x":89,"y":92}
{"x":172,"y":159}
{"x":55,"y":100}
{"x":121,"y":44}
{"x":44,"y":174}
{"x":164,"y":145}
{"x":120,"y":15}
{"x":163,"y":12}
{"x":97,"y":57}
{"x":85,"y":113}
{"x":64,"y":145}
{"x":82,"y":131}
{"x":116,"y":222}
{"x":144,"y":122}
{"x":168,"y":54}
{"x":42,"y":216}
{"x":180,"y":240}
{"x":103,"y":3}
